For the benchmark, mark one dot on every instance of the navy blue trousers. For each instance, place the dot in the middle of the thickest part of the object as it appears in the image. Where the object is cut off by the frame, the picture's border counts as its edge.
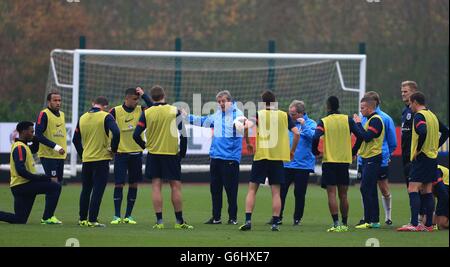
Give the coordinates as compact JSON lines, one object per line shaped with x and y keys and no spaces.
{"x":224,"y":174}
{"x":24,"y":196}
{"x":94,"y":176}
{"x":369,"y":189}
{"x":300,"y":179}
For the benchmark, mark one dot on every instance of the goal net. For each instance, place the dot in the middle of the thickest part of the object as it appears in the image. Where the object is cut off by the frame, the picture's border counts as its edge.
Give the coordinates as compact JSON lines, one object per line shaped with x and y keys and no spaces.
{"x":195,"y":78}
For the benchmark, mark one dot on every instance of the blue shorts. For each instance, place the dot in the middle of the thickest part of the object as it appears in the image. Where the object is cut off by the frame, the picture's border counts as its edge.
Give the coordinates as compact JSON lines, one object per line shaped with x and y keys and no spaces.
{"x":53,"y":167}
{"x":167,"y":167}
{"x":423,"y":170}
{"x":335,"y":174}
{"x":131,"y":163}
{"x":383,"y":173}
{"x":272,"y":169}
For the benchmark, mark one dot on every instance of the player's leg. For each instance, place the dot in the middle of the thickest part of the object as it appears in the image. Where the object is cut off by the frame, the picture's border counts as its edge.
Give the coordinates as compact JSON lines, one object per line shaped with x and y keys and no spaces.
{"x":442,"y":222}
{"x":134,"y":177}
{"x":231,"y":184}
{"x":386,"y":196}
{"x":276,"y":206}
{"x":52,"y":192}
{"x":251,"y":195}
{"x":333,"y":206}
{"x":359,"y":178}
{"x":284,"y":189}
{"x":101,"y":173}
{"x":276,"y":175}
{"x":423,"y":209}
{"x":216,"y":190}
{"x":372,"y":174}
{"x":329,"y":182}
{"x":23,"y":203}
{"x":423,"y":173}
{"x":414,"y":203}
{"x":171,"y":170}
{"x":87,"y":183}
{"x":60,"y":170}
{"x":442,"y":205}
{"x":343,"y":203}
{"x":369,"y":193}
{"x":249,"y":205}
{"x":157,"y":202}
{"x":156,"y":194}
{"x":8,"y":217}
{"x":53,"y":168}
{"x":301,"y":185}
{"x":258,"y":176}
{"x":406,"y":171}
{"x":178,"y":205}
{"x":48,"y":166}
{"x":177,"y":201}
{"x":154,"y":173}
{"x":120,"y":173}
{"x":429,"y":205}
{"x":343,"y":181}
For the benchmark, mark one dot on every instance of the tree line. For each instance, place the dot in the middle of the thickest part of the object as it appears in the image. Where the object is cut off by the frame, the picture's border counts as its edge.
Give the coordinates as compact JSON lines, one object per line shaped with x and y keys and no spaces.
{"x":406,"y":39}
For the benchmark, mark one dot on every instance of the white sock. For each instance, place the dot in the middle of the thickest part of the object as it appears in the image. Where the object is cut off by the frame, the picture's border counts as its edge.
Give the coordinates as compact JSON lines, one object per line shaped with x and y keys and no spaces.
{"x":362,"y":205}
{"x":387,"y":205}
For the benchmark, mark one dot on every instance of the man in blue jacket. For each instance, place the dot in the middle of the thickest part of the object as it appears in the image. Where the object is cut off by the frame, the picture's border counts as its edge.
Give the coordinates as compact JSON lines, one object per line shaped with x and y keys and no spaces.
{"x":225,"y":154}
{"x":302,"y":165}
{"x":389,"y":145}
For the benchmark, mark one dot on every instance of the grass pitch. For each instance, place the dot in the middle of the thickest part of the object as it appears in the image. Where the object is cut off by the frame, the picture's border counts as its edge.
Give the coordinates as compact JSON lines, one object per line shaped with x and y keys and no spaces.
{"x":197,"y":209}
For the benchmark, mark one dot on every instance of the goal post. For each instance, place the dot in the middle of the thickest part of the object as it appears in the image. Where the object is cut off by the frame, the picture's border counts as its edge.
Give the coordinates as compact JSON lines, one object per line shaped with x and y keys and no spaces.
{"x":82,"y":74}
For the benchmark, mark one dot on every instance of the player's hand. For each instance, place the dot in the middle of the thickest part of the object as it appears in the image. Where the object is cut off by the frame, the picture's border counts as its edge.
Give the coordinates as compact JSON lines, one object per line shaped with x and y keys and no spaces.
{"x":292,"y":155}
{"x":139,"y":91}
{"x":111,"y":153}
{"x":183,"y":112}
{"x":54,"y":179}
{"x":301,"y":121}
{"x":61,"y":151}
{"x":354,"y":157}
{"x":356,"y":118}
{"x":250,"y":148}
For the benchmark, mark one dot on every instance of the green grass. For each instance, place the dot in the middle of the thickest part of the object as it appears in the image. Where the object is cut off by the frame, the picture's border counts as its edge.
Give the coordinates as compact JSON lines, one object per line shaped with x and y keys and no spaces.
{"x":197,"y":209}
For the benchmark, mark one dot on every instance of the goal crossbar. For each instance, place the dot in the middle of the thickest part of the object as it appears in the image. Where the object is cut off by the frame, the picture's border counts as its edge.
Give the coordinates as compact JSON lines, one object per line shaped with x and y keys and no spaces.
{"x":77,"y":53}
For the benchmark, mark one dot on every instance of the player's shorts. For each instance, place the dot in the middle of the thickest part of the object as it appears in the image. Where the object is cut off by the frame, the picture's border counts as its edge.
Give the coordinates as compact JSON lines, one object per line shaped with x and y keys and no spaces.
{"x":53,"y":167}
{"x":167,"y":167}
{"x":383,"y":173}
{"x":272,"y":169}
{"x":442,"y":206}
{"x":126,"y":162}
{"x":335,"y":174}
{"x":406,"y":169}
{"x":423,"y":170}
